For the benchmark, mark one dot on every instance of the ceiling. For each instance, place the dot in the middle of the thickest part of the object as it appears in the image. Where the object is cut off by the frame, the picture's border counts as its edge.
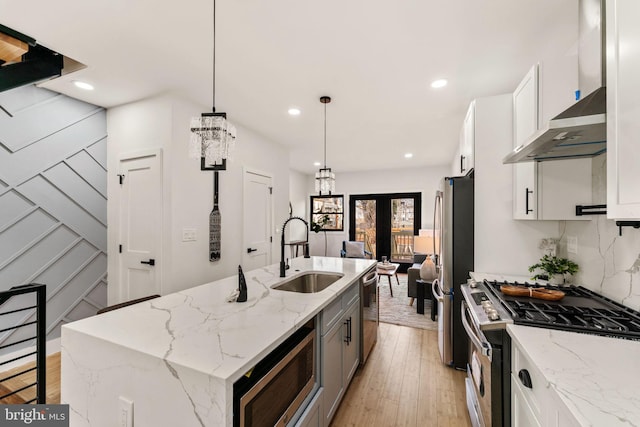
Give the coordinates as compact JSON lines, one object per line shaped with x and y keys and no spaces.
{"x":375,"y":59}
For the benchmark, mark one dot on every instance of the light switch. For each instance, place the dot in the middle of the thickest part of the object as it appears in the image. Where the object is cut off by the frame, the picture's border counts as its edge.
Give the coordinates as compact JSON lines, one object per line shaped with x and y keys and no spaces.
{"x":188,"y":234}
{"x":125,"y":409}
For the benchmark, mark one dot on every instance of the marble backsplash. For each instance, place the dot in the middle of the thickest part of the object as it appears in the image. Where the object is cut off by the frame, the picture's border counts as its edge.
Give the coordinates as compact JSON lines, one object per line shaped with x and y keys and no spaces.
{"x":609,"y":263}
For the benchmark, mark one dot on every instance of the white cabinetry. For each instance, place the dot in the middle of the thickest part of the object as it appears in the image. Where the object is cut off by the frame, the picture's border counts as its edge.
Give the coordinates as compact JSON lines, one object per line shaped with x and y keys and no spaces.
{"x":547,"y":190}
{"x":339,"y":348}
{"x":533,"y":402}
{"x":464,"y":158}
{"x":467,"y":146}
{"x":623,"y":119}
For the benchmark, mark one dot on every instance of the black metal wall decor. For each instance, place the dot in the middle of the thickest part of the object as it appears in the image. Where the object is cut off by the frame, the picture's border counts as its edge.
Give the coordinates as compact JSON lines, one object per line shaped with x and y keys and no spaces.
{"x":215,"y":222}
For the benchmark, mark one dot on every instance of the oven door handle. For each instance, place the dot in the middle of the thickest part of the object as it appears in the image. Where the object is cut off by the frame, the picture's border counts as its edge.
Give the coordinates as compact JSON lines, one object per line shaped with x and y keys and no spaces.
{"x":474,"y":333}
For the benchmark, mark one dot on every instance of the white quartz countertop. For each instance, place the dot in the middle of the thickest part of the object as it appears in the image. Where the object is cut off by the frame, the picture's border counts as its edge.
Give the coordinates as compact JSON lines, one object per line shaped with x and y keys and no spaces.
{"x":596,"y":377}
{"x":197,"y":328}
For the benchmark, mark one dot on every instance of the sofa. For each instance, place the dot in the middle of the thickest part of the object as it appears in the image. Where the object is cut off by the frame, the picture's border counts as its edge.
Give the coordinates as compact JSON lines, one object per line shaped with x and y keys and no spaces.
{"x":413,"y":274}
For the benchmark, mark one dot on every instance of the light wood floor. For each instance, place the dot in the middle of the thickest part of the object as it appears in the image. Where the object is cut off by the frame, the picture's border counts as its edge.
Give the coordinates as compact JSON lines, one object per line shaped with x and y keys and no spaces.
{"x":404,"y":384}
{"x":53,"y":382}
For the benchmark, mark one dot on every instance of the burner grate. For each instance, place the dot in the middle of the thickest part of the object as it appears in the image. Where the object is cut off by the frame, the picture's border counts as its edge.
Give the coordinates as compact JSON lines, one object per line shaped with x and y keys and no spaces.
{"x":581,"y":310}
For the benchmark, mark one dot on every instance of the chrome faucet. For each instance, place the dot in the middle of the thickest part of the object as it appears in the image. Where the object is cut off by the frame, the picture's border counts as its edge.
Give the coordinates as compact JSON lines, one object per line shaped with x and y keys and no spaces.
{"x":285,"y":266}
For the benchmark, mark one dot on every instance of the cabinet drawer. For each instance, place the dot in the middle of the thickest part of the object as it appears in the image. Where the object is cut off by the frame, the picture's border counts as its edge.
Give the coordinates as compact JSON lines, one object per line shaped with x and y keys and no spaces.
{"x":521,"y":413}
{"x":330,"y":315}
{"x":536,"y":395}
{"x":350,"y":295}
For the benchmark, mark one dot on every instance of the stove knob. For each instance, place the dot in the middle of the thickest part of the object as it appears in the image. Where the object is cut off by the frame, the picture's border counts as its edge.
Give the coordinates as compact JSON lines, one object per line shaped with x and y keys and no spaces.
{"x":494,"y":315}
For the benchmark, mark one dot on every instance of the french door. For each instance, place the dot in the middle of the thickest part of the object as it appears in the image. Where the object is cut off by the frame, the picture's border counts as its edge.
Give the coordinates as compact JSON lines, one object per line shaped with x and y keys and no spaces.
{"x":386,"y":223}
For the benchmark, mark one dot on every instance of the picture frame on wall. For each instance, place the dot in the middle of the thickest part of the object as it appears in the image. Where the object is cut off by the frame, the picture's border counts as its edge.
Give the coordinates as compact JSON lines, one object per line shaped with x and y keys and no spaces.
{"x":328,"y":211}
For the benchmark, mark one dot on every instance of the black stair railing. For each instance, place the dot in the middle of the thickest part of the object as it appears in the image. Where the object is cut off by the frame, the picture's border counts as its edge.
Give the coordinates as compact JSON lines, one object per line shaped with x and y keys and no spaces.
{"x":40,"y":338}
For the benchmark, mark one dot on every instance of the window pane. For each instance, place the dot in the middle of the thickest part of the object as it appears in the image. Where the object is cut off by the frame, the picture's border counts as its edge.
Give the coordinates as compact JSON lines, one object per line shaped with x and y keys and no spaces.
{"x":402,"y":230}
{"x":366,"y":224}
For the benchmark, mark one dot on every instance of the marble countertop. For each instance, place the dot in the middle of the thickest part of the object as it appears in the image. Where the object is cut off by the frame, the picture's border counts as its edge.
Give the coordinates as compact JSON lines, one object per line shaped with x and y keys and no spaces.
{"x":596,"y":377}
{"x":197,"y":328}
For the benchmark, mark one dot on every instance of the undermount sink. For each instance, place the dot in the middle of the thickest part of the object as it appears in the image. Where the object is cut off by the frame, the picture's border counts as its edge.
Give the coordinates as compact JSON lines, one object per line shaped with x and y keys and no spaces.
{"x":309,"y":283}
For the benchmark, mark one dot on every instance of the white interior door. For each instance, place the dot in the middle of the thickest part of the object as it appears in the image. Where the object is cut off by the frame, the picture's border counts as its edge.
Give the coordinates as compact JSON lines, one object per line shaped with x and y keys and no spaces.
{"x":140,"y":225}
{"x":258,"y":222}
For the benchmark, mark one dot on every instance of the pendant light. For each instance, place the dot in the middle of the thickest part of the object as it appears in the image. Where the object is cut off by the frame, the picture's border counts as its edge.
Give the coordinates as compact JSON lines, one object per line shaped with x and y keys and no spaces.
{"x":325,"y":179}
{"x":212,"y":136}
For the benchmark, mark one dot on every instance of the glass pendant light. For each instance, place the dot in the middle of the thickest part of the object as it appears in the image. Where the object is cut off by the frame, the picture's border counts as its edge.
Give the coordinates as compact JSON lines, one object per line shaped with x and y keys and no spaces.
{"x":325,"y":178}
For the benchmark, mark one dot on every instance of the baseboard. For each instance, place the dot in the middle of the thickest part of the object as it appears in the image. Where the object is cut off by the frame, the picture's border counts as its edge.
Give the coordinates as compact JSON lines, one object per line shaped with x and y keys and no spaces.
{"x":53,"y":346}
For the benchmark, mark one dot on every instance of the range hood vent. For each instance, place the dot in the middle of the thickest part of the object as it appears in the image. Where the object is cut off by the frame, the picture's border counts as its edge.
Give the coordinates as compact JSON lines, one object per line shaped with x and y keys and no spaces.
{"x":23,"y":61}
{"x":581,"y":130}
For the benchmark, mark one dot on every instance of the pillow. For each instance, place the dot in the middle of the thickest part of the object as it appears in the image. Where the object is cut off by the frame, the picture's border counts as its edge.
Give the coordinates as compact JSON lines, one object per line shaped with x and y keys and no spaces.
{"x":428,"y":270}
{"x":354,"y":249}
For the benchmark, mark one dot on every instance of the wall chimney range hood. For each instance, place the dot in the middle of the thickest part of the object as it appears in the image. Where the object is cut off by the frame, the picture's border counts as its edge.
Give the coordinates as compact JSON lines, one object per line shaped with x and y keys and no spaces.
{"x":581,"y":130}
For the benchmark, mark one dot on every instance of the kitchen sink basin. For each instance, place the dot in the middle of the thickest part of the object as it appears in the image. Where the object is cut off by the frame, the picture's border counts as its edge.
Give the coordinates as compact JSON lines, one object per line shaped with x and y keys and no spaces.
{"x":309,"y":283}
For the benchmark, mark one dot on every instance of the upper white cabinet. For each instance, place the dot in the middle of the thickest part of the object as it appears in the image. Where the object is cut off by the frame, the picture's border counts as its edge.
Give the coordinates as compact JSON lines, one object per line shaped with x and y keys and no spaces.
{"x":623,"y":116}
{"x":547,"y":190}
{"x":464,"y":158}
{"x":467,"y":153}
{"x":525,"y":123}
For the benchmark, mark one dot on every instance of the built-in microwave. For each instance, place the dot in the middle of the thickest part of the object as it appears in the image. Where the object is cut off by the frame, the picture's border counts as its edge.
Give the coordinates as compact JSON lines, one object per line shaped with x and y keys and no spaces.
{"x":271,"y":393}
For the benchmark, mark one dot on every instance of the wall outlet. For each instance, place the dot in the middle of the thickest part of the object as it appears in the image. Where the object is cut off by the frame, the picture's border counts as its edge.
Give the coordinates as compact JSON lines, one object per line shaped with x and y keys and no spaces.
{"x":188,"y":234}
{"x":572,"y":245}
{"x":125,"y":412}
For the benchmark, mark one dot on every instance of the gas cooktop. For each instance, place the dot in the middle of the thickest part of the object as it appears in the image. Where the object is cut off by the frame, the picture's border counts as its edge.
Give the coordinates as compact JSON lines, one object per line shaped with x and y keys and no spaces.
{"x":580,"y":310}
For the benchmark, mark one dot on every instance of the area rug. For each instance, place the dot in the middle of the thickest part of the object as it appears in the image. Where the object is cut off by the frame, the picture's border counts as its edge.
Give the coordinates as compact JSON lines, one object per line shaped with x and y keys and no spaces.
{"x":397,"y":310}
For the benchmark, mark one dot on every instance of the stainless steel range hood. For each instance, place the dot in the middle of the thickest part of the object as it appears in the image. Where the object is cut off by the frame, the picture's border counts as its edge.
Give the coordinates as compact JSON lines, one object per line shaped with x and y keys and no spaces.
{"x":581,"y":130}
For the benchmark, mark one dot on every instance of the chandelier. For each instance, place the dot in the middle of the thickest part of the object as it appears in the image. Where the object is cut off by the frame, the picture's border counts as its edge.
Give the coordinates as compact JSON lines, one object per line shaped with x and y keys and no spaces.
{"x":212,"y":136}
{"x":325,"y":179}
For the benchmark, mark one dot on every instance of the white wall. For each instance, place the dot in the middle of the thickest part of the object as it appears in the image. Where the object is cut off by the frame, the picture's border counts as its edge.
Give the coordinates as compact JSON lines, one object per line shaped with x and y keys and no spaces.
{"x":299,"y":185}
{"x":409,"y":180}
{"x":502,"y":244}
{"x":188,"y":192}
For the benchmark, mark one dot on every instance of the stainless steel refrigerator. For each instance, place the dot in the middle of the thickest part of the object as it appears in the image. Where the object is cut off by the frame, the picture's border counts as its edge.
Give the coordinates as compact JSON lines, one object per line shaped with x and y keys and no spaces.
{"x":453,"y":227}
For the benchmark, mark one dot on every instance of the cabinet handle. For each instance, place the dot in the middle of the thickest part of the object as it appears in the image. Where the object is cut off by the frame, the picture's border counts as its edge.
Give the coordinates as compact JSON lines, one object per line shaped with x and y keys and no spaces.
{"x":525,"y":378}
{"x":527,"y":210}
{"x":347,"y":323}
{"x":462,"y":164}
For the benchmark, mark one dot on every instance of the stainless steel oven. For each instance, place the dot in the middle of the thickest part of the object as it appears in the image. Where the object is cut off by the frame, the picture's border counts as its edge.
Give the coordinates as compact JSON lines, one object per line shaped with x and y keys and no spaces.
{"x":478,"y":381}
{"x":488,"y":361}
{"x":271,"y":393}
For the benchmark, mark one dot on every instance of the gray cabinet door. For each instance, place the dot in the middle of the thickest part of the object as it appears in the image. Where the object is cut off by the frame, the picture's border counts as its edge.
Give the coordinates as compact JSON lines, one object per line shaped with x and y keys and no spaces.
{"x":351,"y":345}
{"x":332,"y":370}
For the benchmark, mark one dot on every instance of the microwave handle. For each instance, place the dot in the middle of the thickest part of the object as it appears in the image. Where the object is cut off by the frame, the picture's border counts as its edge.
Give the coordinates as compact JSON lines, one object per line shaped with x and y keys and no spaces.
{"x":480,"y":342}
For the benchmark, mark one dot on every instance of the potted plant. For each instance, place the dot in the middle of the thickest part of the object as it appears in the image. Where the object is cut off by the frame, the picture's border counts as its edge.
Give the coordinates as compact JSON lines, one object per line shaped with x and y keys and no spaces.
{"x":318,"y":226}
{"x":554,"y":269}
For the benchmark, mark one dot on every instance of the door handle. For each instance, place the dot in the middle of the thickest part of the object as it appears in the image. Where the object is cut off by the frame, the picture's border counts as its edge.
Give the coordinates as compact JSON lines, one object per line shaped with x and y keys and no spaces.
{"x":249,"y":250}
{"x":150,"y":262}
{"x":527,"y":210}
{"x":462,"y":169}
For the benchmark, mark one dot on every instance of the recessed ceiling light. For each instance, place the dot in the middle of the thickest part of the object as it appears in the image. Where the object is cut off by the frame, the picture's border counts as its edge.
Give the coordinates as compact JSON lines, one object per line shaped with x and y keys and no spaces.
{"x":83,"y":85}
{"x":438,"y":83}
{"x":316,"y":163}
{"x":408,"y":155}
{"x":294,"y":111}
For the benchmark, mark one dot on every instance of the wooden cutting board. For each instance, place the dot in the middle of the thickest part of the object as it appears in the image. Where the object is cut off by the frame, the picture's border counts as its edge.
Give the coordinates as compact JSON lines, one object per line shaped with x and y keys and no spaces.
{"x":539,"y":293}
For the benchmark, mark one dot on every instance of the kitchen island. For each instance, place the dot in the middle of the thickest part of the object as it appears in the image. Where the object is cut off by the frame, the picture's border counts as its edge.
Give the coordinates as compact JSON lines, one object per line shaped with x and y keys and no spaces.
{"x":177,"y":357}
